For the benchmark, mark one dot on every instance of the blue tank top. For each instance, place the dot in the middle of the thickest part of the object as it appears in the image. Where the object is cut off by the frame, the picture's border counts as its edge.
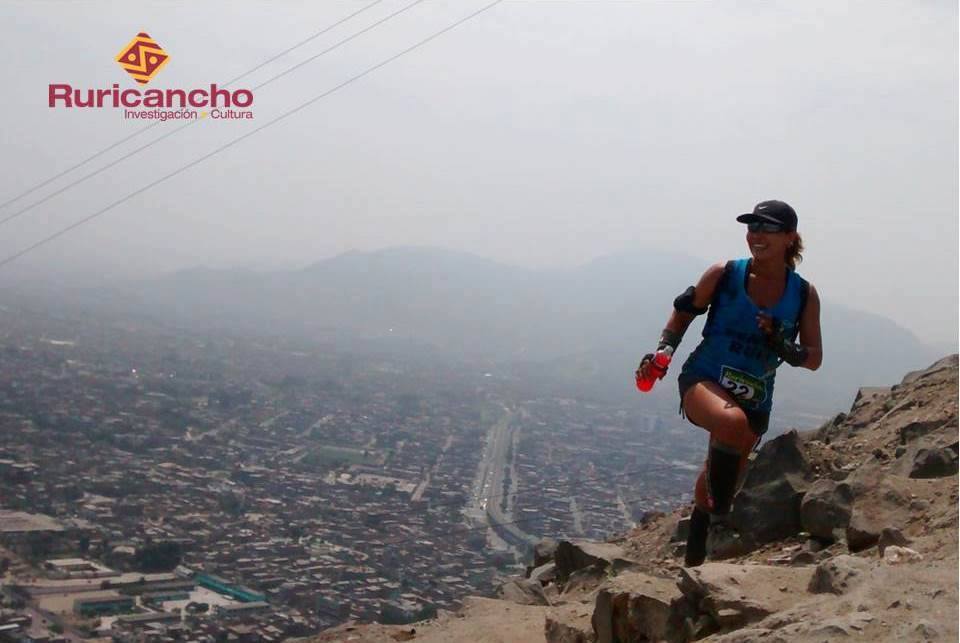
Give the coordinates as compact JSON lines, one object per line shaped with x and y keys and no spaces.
{"x":734,"y":352}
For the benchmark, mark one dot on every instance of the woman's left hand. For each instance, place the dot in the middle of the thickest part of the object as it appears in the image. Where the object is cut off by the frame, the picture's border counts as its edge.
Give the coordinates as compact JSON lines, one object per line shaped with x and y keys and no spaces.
{"x":765,"y":323}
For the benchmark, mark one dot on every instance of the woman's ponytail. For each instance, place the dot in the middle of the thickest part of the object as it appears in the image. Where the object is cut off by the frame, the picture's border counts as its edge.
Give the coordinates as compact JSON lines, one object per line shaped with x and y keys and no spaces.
{"x":793,"y":253}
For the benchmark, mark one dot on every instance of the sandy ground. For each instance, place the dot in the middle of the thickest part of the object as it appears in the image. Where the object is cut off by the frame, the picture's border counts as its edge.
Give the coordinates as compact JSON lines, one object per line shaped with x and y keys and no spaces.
{"x":481,"y":620}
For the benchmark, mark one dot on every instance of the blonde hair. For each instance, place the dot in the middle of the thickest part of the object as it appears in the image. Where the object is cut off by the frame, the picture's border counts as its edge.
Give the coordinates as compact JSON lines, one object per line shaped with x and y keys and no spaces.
{"x":793,"y":252}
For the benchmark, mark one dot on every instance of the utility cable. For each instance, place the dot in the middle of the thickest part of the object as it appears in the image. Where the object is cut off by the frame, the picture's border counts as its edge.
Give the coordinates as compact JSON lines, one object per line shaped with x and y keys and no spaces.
{"x":195,"y":121}
{"x":152,"y":125}
{"x":13,"y":257}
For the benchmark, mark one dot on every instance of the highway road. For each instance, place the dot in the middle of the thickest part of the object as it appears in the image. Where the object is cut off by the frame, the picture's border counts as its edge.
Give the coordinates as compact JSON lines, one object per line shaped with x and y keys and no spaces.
{"x":488,"y":488}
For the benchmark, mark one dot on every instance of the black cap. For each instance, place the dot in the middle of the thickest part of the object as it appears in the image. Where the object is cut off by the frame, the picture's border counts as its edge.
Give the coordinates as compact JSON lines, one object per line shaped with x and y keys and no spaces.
{"x":773,"y":212}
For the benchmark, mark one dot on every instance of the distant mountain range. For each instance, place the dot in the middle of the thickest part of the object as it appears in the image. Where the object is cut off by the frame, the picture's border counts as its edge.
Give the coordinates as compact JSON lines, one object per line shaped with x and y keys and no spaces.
{"x":585,"y":327}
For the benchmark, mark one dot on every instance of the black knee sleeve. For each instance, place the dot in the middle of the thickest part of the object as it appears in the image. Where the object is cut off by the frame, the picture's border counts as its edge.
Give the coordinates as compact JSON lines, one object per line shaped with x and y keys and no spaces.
{"x":723,"y":467}
{"x":696,"y":551}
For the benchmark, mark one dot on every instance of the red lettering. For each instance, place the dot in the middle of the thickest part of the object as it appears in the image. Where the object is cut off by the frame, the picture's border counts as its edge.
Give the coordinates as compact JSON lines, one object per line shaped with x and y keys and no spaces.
{"x":153,"y":98}
{"x":196,"y":103}
{"x":247,"y":100}
{"x":61,"y":92}
{"x":130,"y":103}
{"x":179,"y":93}
{"x":78,"y":98}
{"x":217,"y":93}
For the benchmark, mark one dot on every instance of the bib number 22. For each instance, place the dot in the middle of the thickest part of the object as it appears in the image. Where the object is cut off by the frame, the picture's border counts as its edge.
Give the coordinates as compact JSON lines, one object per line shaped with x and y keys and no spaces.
{"x":743,"y":386}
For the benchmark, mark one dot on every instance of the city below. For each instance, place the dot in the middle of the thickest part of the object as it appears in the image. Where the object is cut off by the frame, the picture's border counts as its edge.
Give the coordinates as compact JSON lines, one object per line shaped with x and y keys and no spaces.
{"x":168,"y":486}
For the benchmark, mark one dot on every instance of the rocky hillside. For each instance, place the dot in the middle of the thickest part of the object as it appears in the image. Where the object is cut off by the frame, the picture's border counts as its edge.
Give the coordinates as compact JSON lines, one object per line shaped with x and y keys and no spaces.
{"x":848,"y":531}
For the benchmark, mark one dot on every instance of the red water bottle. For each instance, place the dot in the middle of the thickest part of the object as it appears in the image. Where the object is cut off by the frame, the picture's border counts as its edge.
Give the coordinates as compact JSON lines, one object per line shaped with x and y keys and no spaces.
{"x":657,"y":369}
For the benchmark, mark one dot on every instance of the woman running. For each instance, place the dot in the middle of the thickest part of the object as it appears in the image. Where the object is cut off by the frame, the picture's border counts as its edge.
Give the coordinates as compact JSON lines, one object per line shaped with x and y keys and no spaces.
{"x":757,"y":305}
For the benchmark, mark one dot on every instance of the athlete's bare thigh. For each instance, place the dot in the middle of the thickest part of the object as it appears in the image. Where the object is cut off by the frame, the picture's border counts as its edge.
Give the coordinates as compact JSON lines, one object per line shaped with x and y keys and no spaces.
{"x":709,"y":405}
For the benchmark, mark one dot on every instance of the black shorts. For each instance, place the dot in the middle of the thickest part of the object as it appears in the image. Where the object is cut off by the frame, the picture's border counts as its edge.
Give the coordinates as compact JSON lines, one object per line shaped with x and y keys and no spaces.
{"x":759,"y":421}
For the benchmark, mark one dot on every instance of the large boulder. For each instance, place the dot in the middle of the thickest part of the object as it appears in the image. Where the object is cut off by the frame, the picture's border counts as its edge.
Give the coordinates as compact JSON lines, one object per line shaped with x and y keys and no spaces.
{"x":768,"y":512}
{"x":881,"y":500}
{"x":584,"y":555}
{"x":768,"y":506}
{"x":636,"y":607}
{"x":929,"y":462}
{"x":780,"y":456}
{"x":826,"y":507}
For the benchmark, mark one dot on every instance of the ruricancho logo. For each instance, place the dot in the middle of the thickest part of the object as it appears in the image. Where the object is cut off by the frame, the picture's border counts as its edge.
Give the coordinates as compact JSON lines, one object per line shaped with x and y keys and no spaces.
{"x":143,"y":58}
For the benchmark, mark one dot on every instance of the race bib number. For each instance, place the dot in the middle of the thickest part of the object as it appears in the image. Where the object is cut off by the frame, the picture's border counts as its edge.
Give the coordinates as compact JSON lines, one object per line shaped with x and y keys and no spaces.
{"x":743,"y":386}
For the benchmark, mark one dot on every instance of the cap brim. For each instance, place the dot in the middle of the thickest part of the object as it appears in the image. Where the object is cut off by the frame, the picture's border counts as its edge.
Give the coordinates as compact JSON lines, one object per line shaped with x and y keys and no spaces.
{"x":750,"y":217}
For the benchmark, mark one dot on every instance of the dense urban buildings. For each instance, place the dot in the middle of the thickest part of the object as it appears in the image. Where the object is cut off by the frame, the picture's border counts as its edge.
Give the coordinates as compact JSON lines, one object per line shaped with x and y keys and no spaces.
{"x":158,"y":486}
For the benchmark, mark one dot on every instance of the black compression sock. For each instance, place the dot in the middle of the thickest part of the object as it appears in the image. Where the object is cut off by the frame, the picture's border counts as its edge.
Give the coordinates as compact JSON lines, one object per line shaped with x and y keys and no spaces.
{"x":696,"y":551}
{"x":723,"y":467}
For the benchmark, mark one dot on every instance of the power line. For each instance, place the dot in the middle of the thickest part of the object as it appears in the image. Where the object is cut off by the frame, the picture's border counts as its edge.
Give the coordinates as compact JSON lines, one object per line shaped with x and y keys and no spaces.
{"x":303,"y":42}
{"x":152,"y":125}
{"x":194,"y":122}
{"x":6,"y":260}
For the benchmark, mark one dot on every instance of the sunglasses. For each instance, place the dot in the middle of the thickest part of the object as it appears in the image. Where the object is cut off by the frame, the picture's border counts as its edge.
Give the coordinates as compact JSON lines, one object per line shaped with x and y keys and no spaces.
{"x":765,"y":226}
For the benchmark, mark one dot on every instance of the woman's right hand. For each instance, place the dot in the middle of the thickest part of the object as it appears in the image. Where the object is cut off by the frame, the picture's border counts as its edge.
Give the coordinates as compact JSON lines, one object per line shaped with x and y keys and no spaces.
{"x":643,"y":371}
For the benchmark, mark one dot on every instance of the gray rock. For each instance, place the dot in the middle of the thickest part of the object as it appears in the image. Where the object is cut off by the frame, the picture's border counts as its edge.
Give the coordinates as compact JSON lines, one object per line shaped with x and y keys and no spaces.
{"x":936,"y":462}
{"x":891,"y":536}
{"x":573,"y":556}
{"x":737,"y":595}
{"x":862,"y":532}
{"x":867,"y":393}
{"x":559,"y":631}
{"x":583,"y":581}
{"x":881,"y":500}
{"x":843,"y":625}
{"x":636,"y":607}
{"x":523,"y":592}
{"x":545,"y":573}
{"x":826,"y":507}
{"x":724,"y":542}
{"x":700,"y":627}
{"x":838,"y":575}
{"x":913,"y":430}
{"x":768,"y":512}
{"x":803,"y":558}
{"x":778,"y":457}
{"x":631,"y":617}
{"x":768,"y":506}
{"x":543,"y":551}
{"x":942,"y":365}
{"x":682,"y":530}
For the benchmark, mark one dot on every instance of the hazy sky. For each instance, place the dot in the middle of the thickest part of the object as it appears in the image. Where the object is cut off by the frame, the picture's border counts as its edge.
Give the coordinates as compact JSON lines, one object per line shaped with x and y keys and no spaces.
{"x":541,"y":133}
